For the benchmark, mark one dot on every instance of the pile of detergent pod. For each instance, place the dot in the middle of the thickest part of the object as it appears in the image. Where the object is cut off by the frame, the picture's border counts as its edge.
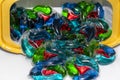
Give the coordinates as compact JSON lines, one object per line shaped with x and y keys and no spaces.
{"x":66,"y":44}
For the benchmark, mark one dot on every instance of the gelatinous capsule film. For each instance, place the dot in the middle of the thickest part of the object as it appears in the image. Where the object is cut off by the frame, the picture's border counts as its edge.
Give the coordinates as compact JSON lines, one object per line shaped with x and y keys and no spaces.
{"x":66,"y":44}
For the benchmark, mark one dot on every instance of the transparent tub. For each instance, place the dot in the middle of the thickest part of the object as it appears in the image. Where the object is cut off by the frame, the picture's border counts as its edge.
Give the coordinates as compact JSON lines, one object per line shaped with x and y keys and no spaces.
{"x":112,"y":16}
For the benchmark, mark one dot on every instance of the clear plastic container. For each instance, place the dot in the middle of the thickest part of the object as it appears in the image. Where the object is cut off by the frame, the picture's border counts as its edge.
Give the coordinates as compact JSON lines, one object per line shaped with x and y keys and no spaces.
{"x":112,"y":16}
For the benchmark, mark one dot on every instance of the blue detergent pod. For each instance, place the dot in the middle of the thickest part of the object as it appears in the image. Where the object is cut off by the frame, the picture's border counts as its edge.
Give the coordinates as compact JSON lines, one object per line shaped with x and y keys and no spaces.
{"x":108,"y":50}
{"x":107,"y":55}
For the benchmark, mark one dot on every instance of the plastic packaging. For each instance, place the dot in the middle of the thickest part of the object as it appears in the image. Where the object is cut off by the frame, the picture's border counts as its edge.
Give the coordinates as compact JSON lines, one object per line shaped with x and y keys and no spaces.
{"x":8,"y":44}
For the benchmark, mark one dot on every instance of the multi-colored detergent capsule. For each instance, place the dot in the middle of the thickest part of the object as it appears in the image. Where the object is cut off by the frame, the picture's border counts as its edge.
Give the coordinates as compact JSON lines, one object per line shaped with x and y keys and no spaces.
{"x":44,"y":9}
{"x":105,"y":55}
